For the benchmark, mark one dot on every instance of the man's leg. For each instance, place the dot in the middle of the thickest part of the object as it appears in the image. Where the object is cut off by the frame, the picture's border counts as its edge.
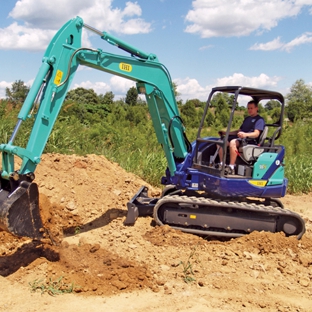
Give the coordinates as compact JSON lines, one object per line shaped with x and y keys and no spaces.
{"x":233,"y":154}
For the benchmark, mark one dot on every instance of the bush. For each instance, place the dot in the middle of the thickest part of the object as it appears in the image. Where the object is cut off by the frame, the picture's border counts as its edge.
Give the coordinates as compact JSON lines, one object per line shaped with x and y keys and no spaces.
{"x":127,"y":136}
{"x":299,"y":172}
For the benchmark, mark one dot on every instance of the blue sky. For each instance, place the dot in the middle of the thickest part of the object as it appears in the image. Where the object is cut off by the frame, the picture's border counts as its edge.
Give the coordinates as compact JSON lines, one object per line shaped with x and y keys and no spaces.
{"x":203,"y":43}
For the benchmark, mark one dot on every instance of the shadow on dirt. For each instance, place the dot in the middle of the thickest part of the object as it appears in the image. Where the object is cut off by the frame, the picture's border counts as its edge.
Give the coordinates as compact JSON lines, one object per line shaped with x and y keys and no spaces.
{"x":115,"y":213}
{"x":24,"y":255}
{"x":99,"y":222}
{"x":29,"y":252}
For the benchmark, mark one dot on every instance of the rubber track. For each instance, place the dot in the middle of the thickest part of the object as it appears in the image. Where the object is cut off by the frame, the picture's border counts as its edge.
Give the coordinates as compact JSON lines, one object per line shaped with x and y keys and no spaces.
{"x":218,"y":203}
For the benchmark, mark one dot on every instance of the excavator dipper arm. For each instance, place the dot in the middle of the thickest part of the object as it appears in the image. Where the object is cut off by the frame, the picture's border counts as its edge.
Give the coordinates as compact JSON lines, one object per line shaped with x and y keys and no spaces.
{"x":19,"y":202}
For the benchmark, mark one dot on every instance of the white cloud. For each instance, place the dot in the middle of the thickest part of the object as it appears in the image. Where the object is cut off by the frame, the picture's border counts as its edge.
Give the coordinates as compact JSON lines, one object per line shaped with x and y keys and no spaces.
{"x":121,"y":85}
{"x":103,"y":17}
{"x":98,"y":87}
{"x":38,"y":21}
{"x":226,"y":18}
{"x":276,"y":44}
{"x":207,"y":47}
{"x":190,"y":88}
{"x":3,"y":86}
{"x":268,"y":46}
{"x":304,"y":38}
{"x":118,"y":85}
{"x":16,"y":37}
{"x":46,"y":14}
{"x":262,"y":81}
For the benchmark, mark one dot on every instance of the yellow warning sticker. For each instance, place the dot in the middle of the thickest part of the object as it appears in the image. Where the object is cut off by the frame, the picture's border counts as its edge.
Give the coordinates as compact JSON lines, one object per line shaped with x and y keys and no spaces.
{"x":259,"y":183}
{"x":192,"y":216}
{"x":125,"y":67}
{"x":58,"y":77}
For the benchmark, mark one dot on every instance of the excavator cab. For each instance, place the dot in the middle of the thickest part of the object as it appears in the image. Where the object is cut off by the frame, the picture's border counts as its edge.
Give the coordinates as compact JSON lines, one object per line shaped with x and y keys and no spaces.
{"x":206,"y":149}
{"x":201,"y":198}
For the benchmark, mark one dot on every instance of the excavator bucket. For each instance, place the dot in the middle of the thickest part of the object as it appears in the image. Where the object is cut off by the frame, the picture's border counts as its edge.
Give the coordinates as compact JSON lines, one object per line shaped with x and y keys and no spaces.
{"x":19,"y":211}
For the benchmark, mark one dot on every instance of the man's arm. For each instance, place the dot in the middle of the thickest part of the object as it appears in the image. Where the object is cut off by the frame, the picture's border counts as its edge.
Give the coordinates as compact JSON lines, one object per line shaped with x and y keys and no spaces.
{"x":250,"y":135}
{"x":222,"y":133}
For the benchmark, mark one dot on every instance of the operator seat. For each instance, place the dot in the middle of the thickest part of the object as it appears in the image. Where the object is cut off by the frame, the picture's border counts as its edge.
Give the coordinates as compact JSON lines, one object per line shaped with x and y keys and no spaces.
{"x":251,"y":152}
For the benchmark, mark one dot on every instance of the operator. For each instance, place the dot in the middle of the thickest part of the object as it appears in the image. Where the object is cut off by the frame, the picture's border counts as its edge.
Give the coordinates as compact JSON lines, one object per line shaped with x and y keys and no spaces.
{"x":250,"y":129}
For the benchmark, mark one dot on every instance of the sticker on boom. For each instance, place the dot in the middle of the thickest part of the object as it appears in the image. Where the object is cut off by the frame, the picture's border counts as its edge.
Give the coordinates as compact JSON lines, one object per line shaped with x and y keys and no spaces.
{"x":58,"y":77}
{"x":125,"y":67}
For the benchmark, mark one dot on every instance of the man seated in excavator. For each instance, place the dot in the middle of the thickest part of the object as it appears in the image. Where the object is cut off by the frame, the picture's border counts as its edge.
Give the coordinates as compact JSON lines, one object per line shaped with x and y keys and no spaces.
{"x":250,"y":131}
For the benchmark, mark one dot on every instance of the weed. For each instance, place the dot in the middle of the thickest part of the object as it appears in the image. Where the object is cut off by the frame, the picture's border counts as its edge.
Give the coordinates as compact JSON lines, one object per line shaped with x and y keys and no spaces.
{"x":188,"y":271}
{"x":51,"y":287}
{"x":77,"y":230}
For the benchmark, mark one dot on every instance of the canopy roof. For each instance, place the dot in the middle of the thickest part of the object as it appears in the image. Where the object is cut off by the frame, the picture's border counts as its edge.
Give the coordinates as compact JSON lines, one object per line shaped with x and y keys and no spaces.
{"x":256,"y":94}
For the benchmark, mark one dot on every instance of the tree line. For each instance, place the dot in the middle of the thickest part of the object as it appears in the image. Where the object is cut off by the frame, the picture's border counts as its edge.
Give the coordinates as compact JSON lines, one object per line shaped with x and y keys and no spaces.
{"x":122,"y":130}
{"x":87,"y":101}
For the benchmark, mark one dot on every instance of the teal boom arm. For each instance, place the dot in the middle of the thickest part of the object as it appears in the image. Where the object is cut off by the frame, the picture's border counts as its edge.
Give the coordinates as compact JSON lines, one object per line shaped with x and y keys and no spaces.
{"x":59,"y":65}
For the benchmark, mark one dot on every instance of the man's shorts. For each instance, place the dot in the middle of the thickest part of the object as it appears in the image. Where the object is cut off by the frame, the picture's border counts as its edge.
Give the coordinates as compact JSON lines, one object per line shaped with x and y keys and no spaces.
{"x":247,"y":141}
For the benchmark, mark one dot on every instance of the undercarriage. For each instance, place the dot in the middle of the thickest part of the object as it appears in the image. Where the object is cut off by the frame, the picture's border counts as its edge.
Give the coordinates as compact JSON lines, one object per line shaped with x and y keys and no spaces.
{"x":201,"y":215}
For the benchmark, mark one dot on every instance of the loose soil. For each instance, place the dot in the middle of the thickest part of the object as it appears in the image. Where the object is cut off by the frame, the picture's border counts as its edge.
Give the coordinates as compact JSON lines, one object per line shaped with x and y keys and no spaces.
{"x":90,"y":260}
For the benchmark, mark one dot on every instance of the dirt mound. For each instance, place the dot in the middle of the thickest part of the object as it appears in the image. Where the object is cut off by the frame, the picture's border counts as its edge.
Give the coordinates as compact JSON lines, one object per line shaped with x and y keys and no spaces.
{"x":88,"y":249}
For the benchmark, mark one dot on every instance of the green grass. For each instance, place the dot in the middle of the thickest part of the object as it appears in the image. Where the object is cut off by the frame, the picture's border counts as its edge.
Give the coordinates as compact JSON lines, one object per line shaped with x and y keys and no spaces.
{"x":52,"y":287}
{"x":134,"y":145}
{"x":297,"y":140}
{"x":298,"y":170}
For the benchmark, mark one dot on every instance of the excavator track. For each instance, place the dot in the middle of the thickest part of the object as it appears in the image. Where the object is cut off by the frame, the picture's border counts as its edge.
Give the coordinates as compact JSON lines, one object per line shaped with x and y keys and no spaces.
{"x":225,"y":218}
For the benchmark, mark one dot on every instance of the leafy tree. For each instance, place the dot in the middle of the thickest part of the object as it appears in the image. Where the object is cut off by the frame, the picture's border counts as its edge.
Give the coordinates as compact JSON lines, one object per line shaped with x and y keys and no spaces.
{"x":189,"y":114}
{"x":237,"y":121}
{"x":86,"y":105}
{"x":299,"y":101}
{"x":107,"y":98}
{"x":175,"y":86}
{"x":82,"y":95}
{"x":17,"y":93}
{"x":118,"y":112}
{"x":224,"y":117}
{"x":220,"y":103}
{"x":261,"y":109}
{"x":222,"y":98}
{"x":241,"y":108}
{"x":270,"y":105}
{"x":210,"y":118}
{"x":136,"y":115}
{"x":196,"y":102}
{"x":132,"y":96}
{"x":74,"y":110}
{"x":276,"y":113}
{"x":230,"y":100}
{"x":141,"y":101}
{"x":180,"y":102}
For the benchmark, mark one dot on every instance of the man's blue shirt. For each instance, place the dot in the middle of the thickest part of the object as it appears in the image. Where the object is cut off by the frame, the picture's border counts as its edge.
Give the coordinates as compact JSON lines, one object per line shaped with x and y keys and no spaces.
{"x":250,"y":124}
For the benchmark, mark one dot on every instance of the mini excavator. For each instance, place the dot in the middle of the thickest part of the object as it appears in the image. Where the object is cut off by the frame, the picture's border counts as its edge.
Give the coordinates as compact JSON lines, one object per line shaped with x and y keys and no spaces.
{"x":197,"y":197}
